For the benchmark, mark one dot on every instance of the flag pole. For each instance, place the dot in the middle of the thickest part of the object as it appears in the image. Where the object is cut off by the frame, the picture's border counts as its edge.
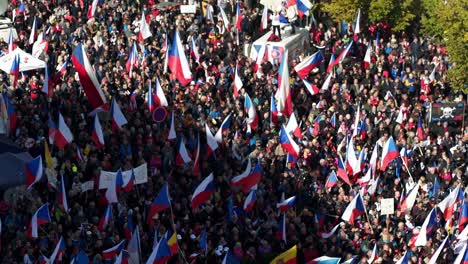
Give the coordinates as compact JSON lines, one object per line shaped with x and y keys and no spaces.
{"x":181,"y":253}
{"x":407,"y":169}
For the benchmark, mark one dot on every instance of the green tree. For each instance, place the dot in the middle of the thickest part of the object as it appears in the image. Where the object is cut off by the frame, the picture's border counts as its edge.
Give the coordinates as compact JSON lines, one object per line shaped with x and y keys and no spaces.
{"x":453,"y":18}
{"x":340,"y":10}
{"x":430,"y":24}
{"x":399,"y":14}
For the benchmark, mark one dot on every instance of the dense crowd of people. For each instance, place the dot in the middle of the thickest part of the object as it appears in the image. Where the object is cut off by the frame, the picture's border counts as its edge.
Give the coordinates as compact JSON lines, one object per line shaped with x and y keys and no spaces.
{"x":398,"y":80}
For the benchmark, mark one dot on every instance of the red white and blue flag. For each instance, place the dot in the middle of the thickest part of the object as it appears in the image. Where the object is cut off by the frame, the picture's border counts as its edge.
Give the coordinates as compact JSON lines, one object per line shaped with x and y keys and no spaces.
{"x":203,"y":191}
{"x":34,"y":171}
{"x":308,"y":64}
{"x":97,"y":134}
{"x":118,"y":118}
{"x":132,"y":61}
{"x":223,"y":128}
{"x":88,"y":79}
{"x":106,"y":218}
{"x":11,"y":42}
{"x":159,"y":98}
{"x":354,"y":209}
{"x":288,"y":143}
{"x":293,"y":127}
{"x":389,"y":153}
{"x":273,"y":112}
{"x":248,"y":180}
{"x":177,"y":62}
{"x":425,"y":233}
{"x":172,"y":133}
{"x":210,"y":140}
{"x":225,"y":19}
{"x":194,"y":51}
{"x":62,"y":195}
{"x":182,"y":156}
{"x":312,"y":88}
{"x":110,"y":253}
{"x":463,"y":219}
{"x":160,"y":203}
{"x":144,"y":32}
{"x":237,"y":82}
{"x":286,"y":204}
{"x":92,"y":9}
{"x":250,"y":201}
{"x":252,"y":117}
{"x":33,"y":36}
{"x":281,"y":232}
{"x":14,"y":70}
{"x":58,"y":252}
{"x":420,"y":131}
{"x":331,"y":180}
{"x":303,"y":7}
{"x":447,"y":206}
{"x":40,"y":217}
{"x":239,"y":17}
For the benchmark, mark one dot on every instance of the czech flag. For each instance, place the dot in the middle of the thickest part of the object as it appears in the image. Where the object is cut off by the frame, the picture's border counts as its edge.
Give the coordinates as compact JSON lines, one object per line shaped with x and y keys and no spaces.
{"x":203,"y":191}
{"x":463,"y":219}
{"x":88,"y":79}
{"x":128,"y":183}
{"x":11,"y":43}
{"x":281,"y":232}
{"x":273,"y":112}
{"x":237,"y":82}
{"x":342,"y":174}
{"x":420,"y":131}
{"x":133,"y":247}
{"x":97,"y":135}
{"x":441,"y":247}
{"x":425,"y":233}
{"x":110,"y":253}
{"x":149,"y":98}
{"x":159,"y":97}
{"x":303,"y":7}
{"x":132,"y":61}
{"x":172,"y":133}
{"x":161,"y":253}
{"x":250,"y":201}
{"x":248,"y":180}
{"x":354,"y":209}
{"x":235,"y":181}
{"x":252,"y":120}
{"x":223,"y":128}
{"x":333,"y":120}
{"x":375,"y":254}
{"x":160,"y":203}
{"x":344,"y":53}
{"x":182,"y":156}
{"x":312,"y":88}
{"x":34,"y":171}
{"x":331,"y":181}
{"x":239,"y":17}
{"x":15,"y":66}
{"x":172,"y":242}
{"x":447,"y":206}
{"x":32,"y":36}
{"x":225,"y":19}
{"x":177,"y":62}
{"x":357,"y":27}
{"x":210,"y":140}
{"x":308,"y":64}
{"x":325,"y":260}
{"x":404,"y":259}
{"x":331,"y":233}
{"x":462,"y":257}
{"x":293,"y":126}
{"x":144,"y":32}
{"x":12,"y":116}
{"x":40,"y":217}
{"x":367,"y":57}
{"x":389,"y":153}
{"x":92,"y":9}
{"x":122,"y":258}
{"x":286,"y":204}
{"x":283,"y":94}
{"x":106,"y":218}
{"x":287,"y":257}
{"x":331,"y":63}
{"x":194,"y":51}
{"x":288,"y":143}
{"x":118,"y":118}
{"x":62,"y":195}
{"x":58,"y":251}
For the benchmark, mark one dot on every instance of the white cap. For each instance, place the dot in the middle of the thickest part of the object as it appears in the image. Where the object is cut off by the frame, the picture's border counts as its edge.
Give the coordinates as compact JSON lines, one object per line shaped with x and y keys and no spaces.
{"x":192,"y":236}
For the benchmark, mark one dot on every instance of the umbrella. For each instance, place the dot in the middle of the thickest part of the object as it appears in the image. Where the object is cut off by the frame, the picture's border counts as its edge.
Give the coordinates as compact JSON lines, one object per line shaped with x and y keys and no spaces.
{"x":27,"y":61}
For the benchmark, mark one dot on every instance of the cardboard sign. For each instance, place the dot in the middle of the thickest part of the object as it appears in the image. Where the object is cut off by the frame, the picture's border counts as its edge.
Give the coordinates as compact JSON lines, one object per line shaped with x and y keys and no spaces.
{"x":188,"y":9}
{"x":387,"y":206}
{"x":107,"y":177}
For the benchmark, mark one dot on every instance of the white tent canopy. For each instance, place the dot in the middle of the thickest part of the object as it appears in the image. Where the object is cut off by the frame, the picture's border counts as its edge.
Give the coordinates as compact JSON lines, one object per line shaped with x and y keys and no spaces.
{"x":27,"y":61}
